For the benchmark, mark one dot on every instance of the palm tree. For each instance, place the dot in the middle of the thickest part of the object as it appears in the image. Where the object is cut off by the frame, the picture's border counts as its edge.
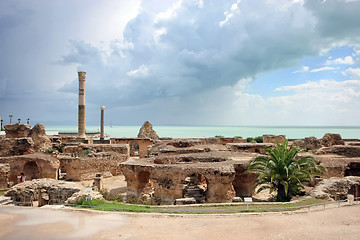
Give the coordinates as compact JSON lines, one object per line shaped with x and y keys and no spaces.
{"x":28,"y":121}
{"x":1,"y":124}
{"x":10,"y":116}
{"x":19,"y":120}
{"x":281,"y":172}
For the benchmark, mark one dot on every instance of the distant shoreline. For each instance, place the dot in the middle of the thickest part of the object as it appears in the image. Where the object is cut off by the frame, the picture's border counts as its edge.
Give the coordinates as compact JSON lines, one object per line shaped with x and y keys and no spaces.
{"x":294,"y":132}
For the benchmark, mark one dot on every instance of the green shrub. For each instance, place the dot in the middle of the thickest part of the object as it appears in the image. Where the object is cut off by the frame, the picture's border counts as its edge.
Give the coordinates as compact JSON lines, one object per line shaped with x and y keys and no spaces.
{"x":240,"y":137}
{"x":249,"y":139}
{"x":111,"y":197}
{"x":86,"y":152}
{"x":259,"y":139}
{"x":219,"y":136}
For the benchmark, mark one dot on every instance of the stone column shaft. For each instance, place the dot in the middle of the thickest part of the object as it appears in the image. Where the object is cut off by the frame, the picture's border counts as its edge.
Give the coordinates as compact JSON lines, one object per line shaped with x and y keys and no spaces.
{"x":102,"y":135}
{"x":81,"y":116}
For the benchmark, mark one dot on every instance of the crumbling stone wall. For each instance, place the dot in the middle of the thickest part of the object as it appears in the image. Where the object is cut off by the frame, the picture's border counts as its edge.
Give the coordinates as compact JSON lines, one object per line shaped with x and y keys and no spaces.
{"x":244,"y":182}
{"x":86,"y":168}
{"x":142,"y":143}
{"x":4,"y":175}
{"x":37,"y":165}
{"x":17,"y":130}
{"x":274,"y":138}
{"x":330,"y":139}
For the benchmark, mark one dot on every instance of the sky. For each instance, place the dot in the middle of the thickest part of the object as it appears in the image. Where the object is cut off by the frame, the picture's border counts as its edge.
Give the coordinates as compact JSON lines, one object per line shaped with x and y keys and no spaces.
{"x":190,"y":62}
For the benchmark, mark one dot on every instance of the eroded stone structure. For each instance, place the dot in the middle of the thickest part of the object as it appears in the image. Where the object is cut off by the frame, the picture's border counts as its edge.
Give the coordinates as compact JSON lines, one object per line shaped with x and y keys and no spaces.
{"x":38,"y":165}
{"x":206,"y":177}
{"x":146,"y":131}
{"x":138,"y":146}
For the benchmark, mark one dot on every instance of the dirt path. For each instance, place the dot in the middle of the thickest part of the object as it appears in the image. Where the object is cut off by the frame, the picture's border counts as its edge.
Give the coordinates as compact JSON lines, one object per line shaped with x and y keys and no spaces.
{"x":42,"y":223}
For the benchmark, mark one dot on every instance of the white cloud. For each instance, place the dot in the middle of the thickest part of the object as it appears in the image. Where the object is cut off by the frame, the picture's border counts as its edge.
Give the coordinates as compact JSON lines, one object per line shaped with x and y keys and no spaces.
{"x":354,"y":72}
{"x":348,"y":60}
{"x":323,"y":69}
{"x":142,"y":71}
{"x":302,"y":69}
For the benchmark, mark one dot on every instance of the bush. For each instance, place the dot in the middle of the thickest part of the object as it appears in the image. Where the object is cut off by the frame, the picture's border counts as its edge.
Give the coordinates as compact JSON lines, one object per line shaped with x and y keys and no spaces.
{"x":240,"y":137}
{"x":249,"y":139}
{"x":259,"y":139}
{"x":219,"y":136}
{"x":86,"y":152}
{"x":111,"y":197}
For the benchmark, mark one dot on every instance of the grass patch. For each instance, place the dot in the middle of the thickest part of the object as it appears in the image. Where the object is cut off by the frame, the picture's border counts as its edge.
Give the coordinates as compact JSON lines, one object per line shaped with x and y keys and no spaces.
{"x":204,"y":209}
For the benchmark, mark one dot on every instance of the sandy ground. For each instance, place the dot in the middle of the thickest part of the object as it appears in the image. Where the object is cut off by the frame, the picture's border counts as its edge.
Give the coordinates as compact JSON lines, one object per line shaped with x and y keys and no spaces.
{"x":45,"y":223}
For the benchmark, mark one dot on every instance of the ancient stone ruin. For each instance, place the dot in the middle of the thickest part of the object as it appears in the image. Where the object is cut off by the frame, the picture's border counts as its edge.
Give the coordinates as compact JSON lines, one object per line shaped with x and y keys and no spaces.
{"x":167,"y":171}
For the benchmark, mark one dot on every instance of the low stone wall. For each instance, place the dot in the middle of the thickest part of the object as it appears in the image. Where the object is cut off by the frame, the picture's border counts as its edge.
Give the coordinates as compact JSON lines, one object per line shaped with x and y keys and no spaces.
{"x":249,"y":147}
{"x":85,"y":168}
{"x":344,"y":150}
{"x":81,"y":149}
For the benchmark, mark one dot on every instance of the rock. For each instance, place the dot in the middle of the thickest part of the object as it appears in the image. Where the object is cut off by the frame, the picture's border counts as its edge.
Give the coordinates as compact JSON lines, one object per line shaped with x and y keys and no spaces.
{"x":49,"y":191}
{"x":38,"y":135}
{"x":237,"y":199}
{"x":330,"y":139}
{"x":274,"y":139}
{"x":17,"y":130}
{"x":336,"y":188}
{"x":146,"y":131}
{"x":84,"y":193}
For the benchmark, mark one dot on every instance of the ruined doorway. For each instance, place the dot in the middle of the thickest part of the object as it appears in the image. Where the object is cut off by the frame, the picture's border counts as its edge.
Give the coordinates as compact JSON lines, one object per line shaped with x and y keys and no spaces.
{"x":134,"y":149}
{"x":145,"y":187}
{"x":31,"y":170}
{"x":195,"y":186}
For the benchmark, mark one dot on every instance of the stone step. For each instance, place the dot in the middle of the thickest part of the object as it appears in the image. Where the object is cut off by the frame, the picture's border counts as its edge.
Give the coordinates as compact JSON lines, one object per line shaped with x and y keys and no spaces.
{"x":182,"y":201}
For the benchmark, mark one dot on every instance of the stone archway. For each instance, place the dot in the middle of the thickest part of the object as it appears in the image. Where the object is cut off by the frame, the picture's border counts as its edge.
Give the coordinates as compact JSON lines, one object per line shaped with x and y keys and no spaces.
{"x":144,"y":184}
{"x":31,"y":170}
{"x":195,"y":186}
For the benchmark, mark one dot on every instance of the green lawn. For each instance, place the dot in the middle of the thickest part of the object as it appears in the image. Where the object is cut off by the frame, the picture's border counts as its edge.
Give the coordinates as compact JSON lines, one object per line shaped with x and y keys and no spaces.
{"x":205,"y":209}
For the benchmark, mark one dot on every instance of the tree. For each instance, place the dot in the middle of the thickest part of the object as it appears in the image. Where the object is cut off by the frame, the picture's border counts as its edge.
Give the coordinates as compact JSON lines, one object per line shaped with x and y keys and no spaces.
{"x":281,"y":172}
{"x":1,"y":129}
{"x":10,"y":116}
{"x":19,"y":120}
{"x":28,"y":121}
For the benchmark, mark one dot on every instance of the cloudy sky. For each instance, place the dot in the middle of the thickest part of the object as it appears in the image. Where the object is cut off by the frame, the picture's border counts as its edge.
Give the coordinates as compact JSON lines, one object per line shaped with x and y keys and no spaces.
{"x":190,"y":62}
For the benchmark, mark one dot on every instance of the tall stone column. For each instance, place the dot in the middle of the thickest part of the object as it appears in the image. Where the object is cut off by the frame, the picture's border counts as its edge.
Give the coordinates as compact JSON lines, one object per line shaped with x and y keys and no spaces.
{"x":102,"y":135}
{"x":81,"y":116}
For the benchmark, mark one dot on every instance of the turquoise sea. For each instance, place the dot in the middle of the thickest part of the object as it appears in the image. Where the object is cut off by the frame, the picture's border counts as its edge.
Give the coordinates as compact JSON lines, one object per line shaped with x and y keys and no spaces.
{"x":226,"y":131}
